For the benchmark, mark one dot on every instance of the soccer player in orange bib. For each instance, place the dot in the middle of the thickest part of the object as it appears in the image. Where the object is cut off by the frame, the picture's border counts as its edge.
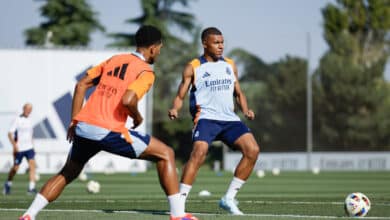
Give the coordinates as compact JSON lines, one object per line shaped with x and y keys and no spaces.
{"x":213,"y":80}
{"x":121,"y":82}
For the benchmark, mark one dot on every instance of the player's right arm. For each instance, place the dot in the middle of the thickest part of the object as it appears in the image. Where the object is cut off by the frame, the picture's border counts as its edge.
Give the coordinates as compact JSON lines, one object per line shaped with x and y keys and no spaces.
{"x":13,"y":142}
{"x":11,"y":138}
{"x":79,"y":94}
{"x":184,"y":85}
{"x":84,"y":84}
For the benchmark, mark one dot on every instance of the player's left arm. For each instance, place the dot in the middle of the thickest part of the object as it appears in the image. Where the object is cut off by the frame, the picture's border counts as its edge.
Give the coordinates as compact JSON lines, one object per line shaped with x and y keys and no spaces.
{"x":241,"y":98}
{"x":134,"y":93}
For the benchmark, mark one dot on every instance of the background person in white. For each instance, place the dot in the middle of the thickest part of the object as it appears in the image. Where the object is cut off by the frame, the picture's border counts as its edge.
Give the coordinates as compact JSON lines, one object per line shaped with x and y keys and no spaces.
{"x":21,"y":137}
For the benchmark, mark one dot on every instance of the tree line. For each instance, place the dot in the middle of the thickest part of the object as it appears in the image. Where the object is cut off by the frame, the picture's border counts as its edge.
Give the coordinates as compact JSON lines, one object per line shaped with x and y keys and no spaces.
{"x":351,"y":97}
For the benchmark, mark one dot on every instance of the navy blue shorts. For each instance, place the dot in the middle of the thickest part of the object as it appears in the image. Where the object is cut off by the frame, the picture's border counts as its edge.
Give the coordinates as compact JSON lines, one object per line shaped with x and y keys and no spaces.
{"x":29,"y":154}
{"x":83,"y":148}
{"x":226,"y":131}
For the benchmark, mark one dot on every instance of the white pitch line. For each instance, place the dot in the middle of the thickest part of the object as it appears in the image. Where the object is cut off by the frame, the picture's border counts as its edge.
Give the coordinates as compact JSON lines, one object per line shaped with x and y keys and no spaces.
{"x":206,"y":201}
{"x":204,"y":214}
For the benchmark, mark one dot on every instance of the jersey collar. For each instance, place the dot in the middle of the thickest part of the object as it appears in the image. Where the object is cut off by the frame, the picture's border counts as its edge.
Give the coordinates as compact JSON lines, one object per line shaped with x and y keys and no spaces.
{"x":203,"y":59}
{"x":139,"y":55}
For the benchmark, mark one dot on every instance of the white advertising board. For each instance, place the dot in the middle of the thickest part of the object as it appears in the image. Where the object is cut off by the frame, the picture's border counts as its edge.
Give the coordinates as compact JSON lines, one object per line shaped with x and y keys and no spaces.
{"x":358,"y":161}
{"x":46,"y":78}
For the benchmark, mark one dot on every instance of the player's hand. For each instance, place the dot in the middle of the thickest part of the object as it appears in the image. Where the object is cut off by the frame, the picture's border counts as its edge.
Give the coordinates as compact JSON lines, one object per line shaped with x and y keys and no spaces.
{"x":250,"y":114}
{"x":173,"y":114}
{"x":71,"y":132}
{"x":14,"y":152}
{"x":137,"y":121}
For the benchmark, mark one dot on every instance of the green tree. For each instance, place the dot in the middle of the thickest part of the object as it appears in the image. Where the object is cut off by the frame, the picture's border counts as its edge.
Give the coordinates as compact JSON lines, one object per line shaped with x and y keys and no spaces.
{"x":160,"y":14}
{"x":253,"y":67}
{"x":349,"y":86}
{"x":358,"y":29}
{"x":68,"y":23}
{"x":277,"y":93}
{"x":287,"y":92}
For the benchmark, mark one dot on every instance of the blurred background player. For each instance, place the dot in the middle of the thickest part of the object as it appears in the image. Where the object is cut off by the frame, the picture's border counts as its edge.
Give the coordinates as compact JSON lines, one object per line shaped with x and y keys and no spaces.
{"x":21,"y":137}
{"x":121,"y":82}
{"x":214,"y":85}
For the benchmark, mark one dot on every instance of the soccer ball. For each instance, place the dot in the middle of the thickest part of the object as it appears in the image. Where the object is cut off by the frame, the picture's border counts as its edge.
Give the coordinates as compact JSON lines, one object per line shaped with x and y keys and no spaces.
{"x":204,"y":193}
{"x":357,"y":204}
{"x":315,"y":170}
{"x":93,"y":186}
{"x":275,"y":171}
{"x":83,"y":176}
{"x":260,"y":173}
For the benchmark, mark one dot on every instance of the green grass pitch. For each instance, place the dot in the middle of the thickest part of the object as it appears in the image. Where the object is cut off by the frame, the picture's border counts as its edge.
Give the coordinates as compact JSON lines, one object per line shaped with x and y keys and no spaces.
{"x":291,"y":195}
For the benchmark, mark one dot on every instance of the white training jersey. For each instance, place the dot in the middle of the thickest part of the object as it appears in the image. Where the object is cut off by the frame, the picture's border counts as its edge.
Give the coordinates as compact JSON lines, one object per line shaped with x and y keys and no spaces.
{"x":22,"y":129}
{"x":211,"y":95}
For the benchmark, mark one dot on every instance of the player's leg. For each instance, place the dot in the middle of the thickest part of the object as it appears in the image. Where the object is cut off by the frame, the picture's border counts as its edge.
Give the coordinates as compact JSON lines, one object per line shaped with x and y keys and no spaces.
{"x":53,"y":188}
{"x":164,"y":157}
{"x":166,"y":168}
{"x":145,"y":147}
{"x":82,"y":150}
{"x":250,"y":151}
{"x":12,"y":172}
{"x":197,"y":158}
{"x":204,"y":132}
{"x":8,"y":184}
{"x":18,"y":157}
{"x":191,"y":168}
{"x":30,"y":155}
{"x":32,"y":169}
{"x":237,"y":135}
{"x":56,"y":184}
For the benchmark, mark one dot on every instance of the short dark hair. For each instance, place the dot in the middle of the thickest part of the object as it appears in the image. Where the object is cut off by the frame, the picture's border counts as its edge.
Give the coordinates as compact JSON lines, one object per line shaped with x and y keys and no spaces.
{"x":209,"y":31}
{"x":147,"y":35}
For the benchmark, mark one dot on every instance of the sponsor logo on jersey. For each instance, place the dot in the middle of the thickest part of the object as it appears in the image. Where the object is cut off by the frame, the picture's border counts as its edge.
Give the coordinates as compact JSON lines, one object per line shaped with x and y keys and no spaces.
{"x":218,"y":82}
{"x":206,"y":74}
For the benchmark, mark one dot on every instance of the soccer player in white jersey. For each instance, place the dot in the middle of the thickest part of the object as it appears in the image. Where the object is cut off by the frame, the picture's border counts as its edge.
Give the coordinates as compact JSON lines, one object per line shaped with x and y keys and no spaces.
{"x":21,"y":137}
{"x":214,"y":84}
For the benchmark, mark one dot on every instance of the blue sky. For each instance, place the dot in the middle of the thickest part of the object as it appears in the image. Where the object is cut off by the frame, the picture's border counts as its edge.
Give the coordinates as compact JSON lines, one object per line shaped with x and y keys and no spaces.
{"x":269,"y":29}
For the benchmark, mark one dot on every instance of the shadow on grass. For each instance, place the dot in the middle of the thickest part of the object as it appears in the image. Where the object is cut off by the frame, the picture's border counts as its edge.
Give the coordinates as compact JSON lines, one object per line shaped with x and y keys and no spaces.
{"x":139,"y":211}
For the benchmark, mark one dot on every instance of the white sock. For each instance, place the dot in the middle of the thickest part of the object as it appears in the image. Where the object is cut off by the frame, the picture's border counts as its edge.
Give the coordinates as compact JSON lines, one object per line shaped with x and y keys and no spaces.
{"x":235,"y":185}
{"x":185,"y":190}
{"x":37,"y":205}
{"x":31,"y":185}
{"x":176,"y":205}
{"x":9,"y":183}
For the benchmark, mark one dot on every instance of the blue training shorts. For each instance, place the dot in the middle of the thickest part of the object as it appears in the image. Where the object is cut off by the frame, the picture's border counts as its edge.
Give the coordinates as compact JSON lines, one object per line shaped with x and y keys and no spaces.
{"x":83,"y":148}
{"x":29,"y":154}
{"x":226,"y":131}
